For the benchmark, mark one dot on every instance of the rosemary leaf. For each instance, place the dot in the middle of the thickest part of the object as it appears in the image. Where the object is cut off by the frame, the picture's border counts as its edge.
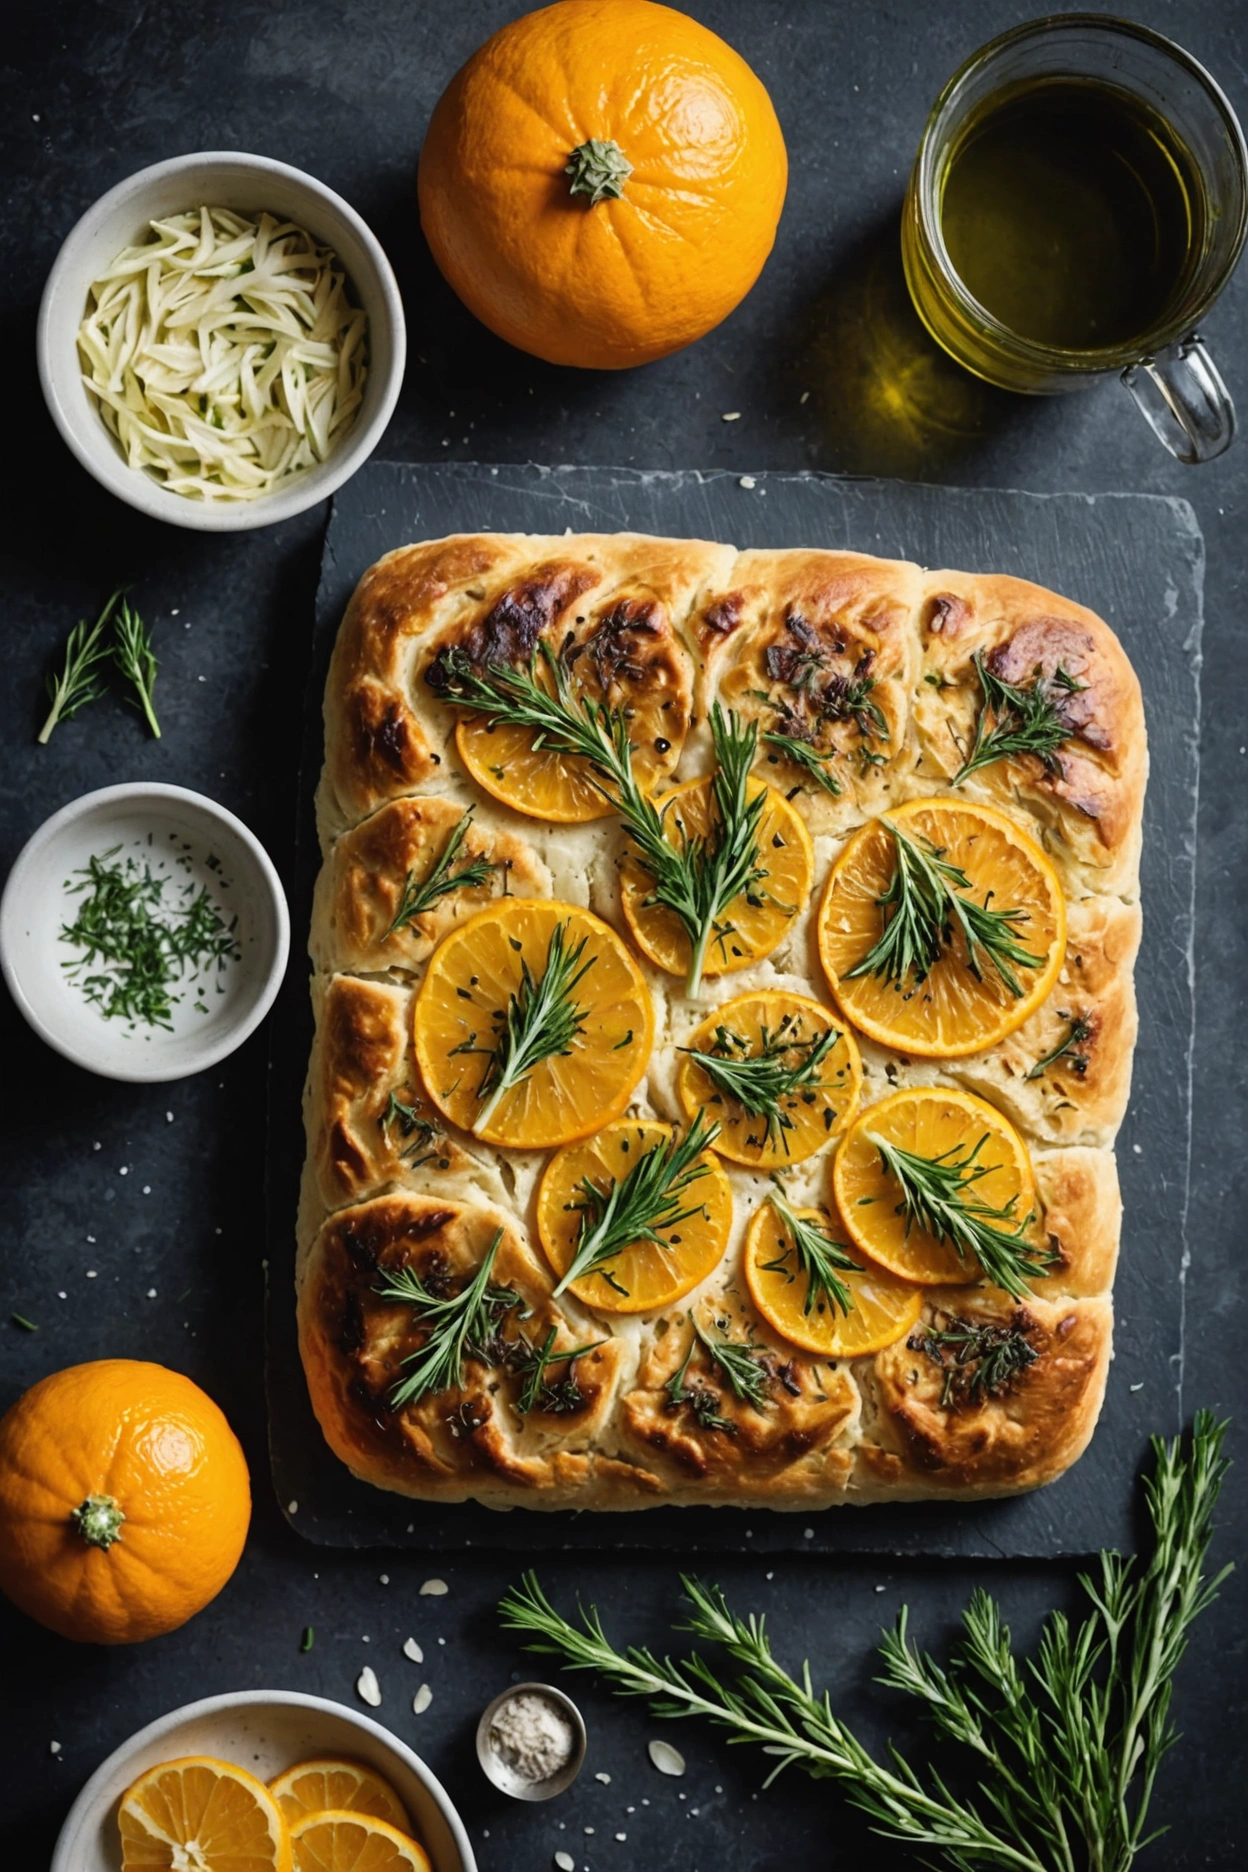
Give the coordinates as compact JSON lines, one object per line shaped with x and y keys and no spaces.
{"x":758,"y":1082}
{"x":419,"y":1129}
{"x":805,"y":755}
{"x":531,"y":1363}
{"x":1017,"y":720}
{"x":636,"y":1206}
{"x":938,"y":1196}
{"x":818,"y":1255}
{"x":926,"y":902}
{"x":454,"y":1326}
{"x":542,"y":1020}
{"x":441,"y":881}
{"x":132,"y":649}
{"x":79,"y":680}
{"x":1080,"y":1030}
{"x":1062,"y":1751}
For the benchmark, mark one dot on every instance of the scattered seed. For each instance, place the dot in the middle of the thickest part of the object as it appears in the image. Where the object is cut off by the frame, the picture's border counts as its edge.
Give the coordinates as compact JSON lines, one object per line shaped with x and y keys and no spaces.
{"x":435,"y":1588}
{"x":621,"y":1836}
{"x":383,"y":1579}
{"x":666,"y":1759}
{"x":732,"y":415}
{"x":367,"y":1687}
{"x":565,"y":1862}
{"x":54,"y":1748}
{"x":804,"y":396}
{"x":422,"y":1699}
{"x":1137,"y":1387}
{"x":604,"y":1778}
{"x":747,"y":481}
{"x":412,"y":1650}
{"x":292,"y":1507}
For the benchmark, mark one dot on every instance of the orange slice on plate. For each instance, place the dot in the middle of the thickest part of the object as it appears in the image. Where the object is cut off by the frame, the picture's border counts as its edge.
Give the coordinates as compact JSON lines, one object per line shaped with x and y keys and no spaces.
{"x":883,"y":1308}
{"x":353,"y":1842}
{"x":644,"y":1274}
{"x":929,"y":1123}
{"x":203,"y":1813}
{"x":954,"y":1008}
{"x":799,"y":1046}
{"x":491,"y":967}
{"x":754,"y":923}
{"x":347,"y":1786}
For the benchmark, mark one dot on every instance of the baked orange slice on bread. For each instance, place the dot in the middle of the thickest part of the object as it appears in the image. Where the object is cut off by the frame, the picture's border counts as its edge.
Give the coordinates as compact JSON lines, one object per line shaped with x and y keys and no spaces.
{"x":754,"y":1061}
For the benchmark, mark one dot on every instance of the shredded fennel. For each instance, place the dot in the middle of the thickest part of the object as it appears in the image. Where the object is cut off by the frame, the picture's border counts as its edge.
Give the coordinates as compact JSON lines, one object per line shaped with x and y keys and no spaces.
{"x":224,"y":353}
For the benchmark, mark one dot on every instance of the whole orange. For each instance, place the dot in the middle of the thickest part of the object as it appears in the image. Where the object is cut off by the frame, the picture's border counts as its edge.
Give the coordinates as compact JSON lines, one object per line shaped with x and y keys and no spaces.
{"x":601,"y":182}
{"x":124,"y":1501}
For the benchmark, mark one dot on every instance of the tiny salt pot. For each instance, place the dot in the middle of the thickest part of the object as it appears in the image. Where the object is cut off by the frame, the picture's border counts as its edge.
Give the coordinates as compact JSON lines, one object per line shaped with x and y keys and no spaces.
{"x":531,"y":1742}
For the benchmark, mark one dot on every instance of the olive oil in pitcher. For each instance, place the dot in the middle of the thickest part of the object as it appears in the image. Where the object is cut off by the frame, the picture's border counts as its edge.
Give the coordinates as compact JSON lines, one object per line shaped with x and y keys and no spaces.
{"x":1072,"y":212}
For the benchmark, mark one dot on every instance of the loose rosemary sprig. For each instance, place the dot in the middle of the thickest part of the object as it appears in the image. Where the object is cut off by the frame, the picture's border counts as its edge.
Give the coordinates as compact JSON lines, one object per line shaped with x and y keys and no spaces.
{"x":938,"y":1196}
{"x":978,"y":1358}
{"x":541,"y":1020}
{"x":132,"y":648}
{"x":695,"y":878}
{"x":819,"y":1256}
{"x":531,"y":1363}
{"x":1080,"y":1030}
{"x":455,"y":1326}
{"x":1016,"y":720}
{"x":1063,"y":1749}
{"x":926,"y":901}
{"x":807,"y":756}
{"x":441,"y":881}
{"x":79,"y":680}
{"x":636,"y":1206}
{"x":758,"y":1082}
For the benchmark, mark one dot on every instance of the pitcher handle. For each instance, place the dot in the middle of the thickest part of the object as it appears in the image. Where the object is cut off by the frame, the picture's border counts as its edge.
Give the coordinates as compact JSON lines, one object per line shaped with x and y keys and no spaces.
{"x":1181,"y":394}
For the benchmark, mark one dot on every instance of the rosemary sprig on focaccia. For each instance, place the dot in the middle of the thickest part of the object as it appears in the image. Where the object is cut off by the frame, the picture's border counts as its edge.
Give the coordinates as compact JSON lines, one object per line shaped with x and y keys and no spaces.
{"x":695,"y":878}
{"x":820,"y":1258}
{"x":758,"y":1082}
{"x":531,"y":1364}
{"x":1080,"y":1030}
{"x":443,"y":879}
{"x":457,"y":1326}
{"x":742,"y":1366}
{"x":1019,"y":718}
{"x":977,"y":1358}
{"x":937,"y":1195}
{"x":926,"y":902}
{"x":542,"y":1019}
{"x":635,"y":1207}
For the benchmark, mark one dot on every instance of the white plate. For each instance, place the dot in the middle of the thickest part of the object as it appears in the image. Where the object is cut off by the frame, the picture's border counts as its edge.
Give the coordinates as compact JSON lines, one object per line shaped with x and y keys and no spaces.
{"x":220,"y":851}
{"x":263,"y":1731}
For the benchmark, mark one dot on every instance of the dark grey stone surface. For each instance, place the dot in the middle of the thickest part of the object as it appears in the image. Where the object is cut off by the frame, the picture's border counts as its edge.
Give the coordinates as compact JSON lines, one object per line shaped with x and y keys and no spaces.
{"x":93,"y":89}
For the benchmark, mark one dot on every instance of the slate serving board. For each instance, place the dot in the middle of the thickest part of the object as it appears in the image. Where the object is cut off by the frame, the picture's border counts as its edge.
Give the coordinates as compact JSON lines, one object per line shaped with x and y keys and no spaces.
{"x":1136,"y":559}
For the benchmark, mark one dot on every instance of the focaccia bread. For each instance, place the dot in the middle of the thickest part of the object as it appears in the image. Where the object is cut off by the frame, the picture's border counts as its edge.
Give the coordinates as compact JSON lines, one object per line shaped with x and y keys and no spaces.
{"x":870,"y":684}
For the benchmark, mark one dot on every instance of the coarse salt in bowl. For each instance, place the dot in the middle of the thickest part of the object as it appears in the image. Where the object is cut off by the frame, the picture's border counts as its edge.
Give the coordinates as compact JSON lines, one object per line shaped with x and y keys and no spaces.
{"x":247,"y":185}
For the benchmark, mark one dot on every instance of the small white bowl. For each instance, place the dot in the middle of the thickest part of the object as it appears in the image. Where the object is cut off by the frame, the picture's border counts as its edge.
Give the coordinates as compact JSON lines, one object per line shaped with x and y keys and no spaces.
{"x":264,"y":1731}
{"x":36,"y":904}
{"x":505,"y":1778}
{"x":247,"y":184}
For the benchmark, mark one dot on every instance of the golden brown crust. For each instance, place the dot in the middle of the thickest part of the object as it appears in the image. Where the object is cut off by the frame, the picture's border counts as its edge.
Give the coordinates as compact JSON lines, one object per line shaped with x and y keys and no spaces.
{"x":1026,"y":1435}
{"x":805,"y":642}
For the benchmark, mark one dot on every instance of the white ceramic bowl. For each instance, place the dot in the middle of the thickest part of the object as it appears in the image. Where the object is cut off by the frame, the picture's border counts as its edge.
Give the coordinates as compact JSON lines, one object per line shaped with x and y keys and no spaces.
{"x":217,"y":179}
{"x":36,"y":904}
{"x":263,"y":1731}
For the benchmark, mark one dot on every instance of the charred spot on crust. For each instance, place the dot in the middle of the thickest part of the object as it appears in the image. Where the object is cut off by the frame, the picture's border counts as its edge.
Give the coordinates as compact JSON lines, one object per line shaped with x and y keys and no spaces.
{"x":617,"y":643}
{"x":725,"y":614}
{"x":384,"y":735}
{"x":508,"y":633}
{"x":946,"y":614}
{"x":348,"y":1159}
